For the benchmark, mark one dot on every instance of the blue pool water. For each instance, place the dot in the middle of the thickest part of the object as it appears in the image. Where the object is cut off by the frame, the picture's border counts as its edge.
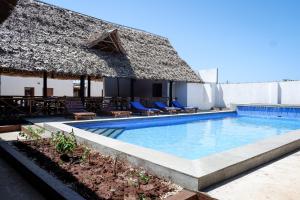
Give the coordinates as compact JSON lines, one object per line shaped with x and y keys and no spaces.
{"x":193,"y":136}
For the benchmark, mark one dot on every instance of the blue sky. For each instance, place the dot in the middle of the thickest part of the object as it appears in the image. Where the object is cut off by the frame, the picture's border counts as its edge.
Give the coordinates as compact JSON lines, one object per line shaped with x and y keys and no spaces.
{"x":247,"y":40}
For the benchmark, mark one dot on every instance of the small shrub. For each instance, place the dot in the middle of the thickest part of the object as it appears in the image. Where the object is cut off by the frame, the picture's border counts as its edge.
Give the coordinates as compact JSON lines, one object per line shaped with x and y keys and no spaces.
{"x":64,"y":144}
{"x":144,"y":178}
{"x":142,"y":196}
{"x":86,"y":154}
{"x":34,"y":134}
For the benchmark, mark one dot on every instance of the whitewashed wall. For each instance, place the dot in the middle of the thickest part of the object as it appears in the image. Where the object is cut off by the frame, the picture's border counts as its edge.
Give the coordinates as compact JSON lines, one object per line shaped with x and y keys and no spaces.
{"x":200,"y":95}
{"x":289,"y":92}
{"x":195,"y":94}
{"x":14,"y":85}
{"x":209,"y":95}
{"x":96,"y":88}
{"x":243,"y":93}
{"x":208,"y":75}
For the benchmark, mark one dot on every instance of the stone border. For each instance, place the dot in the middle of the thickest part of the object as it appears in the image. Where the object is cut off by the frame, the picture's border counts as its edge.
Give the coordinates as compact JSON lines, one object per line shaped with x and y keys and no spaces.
{"x":191,"y":174}
{"x":54,"y":188}
{"x":51,"y":186}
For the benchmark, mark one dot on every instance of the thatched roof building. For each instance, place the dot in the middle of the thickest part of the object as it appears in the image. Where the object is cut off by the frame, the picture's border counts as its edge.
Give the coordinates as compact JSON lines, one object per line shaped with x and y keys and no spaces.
{"x":39,"y":37}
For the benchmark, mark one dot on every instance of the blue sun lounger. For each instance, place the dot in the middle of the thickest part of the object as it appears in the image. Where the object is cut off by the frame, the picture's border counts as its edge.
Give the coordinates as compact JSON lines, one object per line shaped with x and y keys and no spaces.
{"x":162,"y":106}
{"x":184,"y":108}
{"x":138,"y":107}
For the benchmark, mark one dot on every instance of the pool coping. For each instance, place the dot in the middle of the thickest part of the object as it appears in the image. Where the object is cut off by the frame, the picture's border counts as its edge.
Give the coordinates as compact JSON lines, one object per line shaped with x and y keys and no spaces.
{"x":191,"y":174}
{"x":234,"y":105}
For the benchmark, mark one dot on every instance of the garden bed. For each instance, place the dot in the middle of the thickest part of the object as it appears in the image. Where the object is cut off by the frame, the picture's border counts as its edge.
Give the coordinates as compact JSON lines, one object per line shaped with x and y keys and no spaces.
{"x":95,"y":176}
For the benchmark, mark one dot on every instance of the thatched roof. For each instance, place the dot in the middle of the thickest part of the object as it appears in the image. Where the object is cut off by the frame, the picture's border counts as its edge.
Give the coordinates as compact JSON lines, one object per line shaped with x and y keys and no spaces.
{"x":40,"y":37}
{"x":108,"y":41}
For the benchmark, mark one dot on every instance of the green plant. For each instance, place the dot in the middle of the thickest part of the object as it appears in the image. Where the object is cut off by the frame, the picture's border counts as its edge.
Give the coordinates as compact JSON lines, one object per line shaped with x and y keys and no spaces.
{"x":64,"y":143}
{"x":142,"y":196}
{"x":86,"y":154}
{"x":32,"y":133}
{"x":144,"y":177}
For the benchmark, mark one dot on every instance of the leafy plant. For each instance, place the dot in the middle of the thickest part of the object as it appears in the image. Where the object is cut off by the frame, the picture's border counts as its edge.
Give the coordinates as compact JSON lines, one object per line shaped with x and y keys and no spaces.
{"x":32,"y":133}
{"x":144,"y":177}
{"x":142,"y":196}
{"x":86,"y":154}
{"x":64,"y":143}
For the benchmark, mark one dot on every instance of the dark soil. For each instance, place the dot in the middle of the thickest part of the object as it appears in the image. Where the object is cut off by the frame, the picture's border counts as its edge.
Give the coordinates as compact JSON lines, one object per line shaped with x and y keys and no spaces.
{"x":97,"y":177}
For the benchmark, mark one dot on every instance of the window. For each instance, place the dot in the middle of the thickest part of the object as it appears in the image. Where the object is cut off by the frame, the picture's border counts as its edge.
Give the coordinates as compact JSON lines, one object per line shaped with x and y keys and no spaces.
{"x":29,"y":91}
{"x":157,"y":90}
{"x":76,"y":91}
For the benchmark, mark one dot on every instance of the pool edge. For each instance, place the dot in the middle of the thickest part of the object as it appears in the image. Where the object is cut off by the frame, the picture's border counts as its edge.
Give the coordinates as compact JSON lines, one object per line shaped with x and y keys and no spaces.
{"x":191,"y":174}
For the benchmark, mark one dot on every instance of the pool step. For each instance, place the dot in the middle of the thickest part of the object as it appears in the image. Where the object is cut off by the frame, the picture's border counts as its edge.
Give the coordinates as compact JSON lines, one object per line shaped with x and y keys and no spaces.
{"x":108,"y":132}
{"x":116,"y":133}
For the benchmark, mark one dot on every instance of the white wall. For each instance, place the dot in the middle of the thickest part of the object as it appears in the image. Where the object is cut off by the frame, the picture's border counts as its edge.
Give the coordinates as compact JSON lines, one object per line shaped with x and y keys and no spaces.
{"x":14,"y":85}
{"x":289,"y":92}
{"x":261,"y":93}
{"x":243,"y":93}
{"x":96,"y":88}
{"x":208,"y":75}
{"x":195,"y":94}
{"x":60,"y":87}
{"x":200,"y":95}
{"x":11,"y":85}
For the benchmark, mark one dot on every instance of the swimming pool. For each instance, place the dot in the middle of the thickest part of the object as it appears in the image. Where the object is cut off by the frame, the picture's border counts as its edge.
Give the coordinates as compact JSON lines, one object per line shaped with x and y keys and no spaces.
{"x":193,"y":136}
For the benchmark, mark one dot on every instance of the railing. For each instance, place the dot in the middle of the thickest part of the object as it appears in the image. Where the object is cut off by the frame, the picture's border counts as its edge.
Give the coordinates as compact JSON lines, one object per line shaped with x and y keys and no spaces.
{"x":11,"y":106}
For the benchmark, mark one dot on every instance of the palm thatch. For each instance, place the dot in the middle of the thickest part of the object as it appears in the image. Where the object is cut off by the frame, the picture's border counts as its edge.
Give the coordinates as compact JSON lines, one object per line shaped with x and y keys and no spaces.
{"x":39,"y":37}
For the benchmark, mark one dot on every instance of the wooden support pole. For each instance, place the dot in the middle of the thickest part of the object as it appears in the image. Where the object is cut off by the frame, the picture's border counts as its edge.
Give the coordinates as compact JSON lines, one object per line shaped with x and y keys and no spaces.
{"x":170,"y":93}
{"x":82,"y":84}
{"x":132,"y":89}
{"x":45,"y":84}
{"x":118,"y":87}
{"x":89,"y":87}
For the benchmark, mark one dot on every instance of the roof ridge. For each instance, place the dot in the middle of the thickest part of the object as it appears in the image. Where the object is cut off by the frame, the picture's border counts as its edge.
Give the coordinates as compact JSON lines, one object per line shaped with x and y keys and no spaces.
{"x":113,"y":23}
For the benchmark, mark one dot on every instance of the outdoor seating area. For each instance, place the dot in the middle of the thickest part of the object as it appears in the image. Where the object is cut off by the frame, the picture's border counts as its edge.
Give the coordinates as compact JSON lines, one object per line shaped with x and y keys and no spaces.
{"x":92,"y":109}
{"x":86,"y":108}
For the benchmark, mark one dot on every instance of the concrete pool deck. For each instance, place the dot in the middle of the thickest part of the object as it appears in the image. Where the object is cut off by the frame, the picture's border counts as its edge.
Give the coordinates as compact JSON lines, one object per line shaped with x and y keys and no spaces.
{"x":279,"y":180}
{"x":191,"y":174}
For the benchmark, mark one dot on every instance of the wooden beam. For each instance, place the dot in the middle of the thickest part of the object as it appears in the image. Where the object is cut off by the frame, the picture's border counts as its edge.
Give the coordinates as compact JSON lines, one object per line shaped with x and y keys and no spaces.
{"x":170,"y":93}
{"x":132,"y":89}
{"x":118,"y":87}
{"x":45,"y":84}
{"x":82,"y":84}
{"x":89,"y":87}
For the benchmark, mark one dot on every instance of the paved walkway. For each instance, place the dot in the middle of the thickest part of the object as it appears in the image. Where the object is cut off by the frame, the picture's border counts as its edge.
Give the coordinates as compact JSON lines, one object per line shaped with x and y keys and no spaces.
{"x":279,"y":180}
{"x":13,"y":186}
